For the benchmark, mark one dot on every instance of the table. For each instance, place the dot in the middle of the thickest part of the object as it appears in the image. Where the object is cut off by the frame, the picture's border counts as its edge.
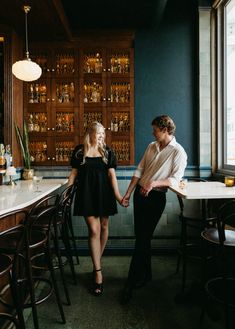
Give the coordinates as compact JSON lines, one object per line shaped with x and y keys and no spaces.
{"x":23,"y":194}
{"x":204,"y":191}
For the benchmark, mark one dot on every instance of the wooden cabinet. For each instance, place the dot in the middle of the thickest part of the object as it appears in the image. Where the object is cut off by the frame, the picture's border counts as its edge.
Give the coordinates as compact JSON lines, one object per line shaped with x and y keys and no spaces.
{"x":107,"y":92}
{"x":51,"y":106}
{"x":80,"y":84}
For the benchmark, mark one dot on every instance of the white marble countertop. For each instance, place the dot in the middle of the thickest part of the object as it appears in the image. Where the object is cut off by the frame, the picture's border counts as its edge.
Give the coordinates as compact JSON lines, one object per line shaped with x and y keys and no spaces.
{"x":204,"y":190}
{"x":24,"y":193}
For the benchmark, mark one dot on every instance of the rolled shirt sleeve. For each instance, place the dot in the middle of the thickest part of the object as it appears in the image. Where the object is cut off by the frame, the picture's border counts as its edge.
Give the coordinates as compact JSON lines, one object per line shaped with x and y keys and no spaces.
{"x":157,"y":164}
{"x":179,"y":165}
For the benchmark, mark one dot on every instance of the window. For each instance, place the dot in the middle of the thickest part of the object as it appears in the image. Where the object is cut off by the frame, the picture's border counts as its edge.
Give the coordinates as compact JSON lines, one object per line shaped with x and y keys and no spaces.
{"x":1,"y":90}
{"x":226,"y":67}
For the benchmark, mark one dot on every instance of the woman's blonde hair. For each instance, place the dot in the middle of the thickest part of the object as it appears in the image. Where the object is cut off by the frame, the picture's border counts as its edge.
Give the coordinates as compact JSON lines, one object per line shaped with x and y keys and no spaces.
{"x":89,"y":135}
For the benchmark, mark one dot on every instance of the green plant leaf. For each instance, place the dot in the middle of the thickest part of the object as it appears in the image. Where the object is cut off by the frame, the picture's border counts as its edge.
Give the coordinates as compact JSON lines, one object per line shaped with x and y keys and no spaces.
{"x":24,"y":144}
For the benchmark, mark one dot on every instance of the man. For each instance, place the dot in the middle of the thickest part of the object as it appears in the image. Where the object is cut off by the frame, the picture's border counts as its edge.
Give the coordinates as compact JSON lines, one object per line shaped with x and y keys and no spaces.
{"x":162,"y":165}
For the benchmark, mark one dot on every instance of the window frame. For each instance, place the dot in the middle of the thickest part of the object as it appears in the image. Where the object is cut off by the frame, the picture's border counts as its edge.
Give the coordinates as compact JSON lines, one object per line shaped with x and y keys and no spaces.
{"x":221,"y":99}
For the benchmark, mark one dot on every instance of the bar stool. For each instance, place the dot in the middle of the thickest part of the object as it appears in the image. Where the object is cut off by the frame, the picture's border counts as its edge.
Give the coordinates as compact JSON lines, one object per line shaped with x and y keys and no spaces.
{"x":71,"y":191}
{"x":12,"y":242}
{"x":221,"y":288}
{"x":39,"y":246}
{"x":190,"y":242}
{"x":49,"y":226}
{"x":60,"y":231}
{"x":66,"y":227}
{"x":5,"y":269}
{"x":35,"y":244}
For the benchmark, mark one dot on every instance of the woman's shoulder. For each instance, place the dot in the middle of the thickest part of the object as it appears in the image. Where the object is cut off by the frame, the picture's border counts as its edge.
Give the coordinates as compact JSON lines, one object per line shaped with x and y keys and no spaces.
{"x":78,"y":151}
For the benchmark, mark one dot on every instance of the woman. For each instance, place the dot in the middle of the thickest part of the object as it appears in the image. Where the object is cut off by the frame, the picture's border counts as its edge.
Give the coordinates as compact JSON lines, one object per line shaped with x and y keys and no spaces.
{"x":93,"y":171}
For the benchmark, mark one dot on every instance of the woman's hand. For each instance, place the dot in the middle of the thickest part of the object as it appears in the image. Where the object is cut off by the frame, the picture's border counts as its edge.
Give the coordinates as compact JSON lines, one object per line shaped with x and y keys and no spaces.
{"x":125,"y":200}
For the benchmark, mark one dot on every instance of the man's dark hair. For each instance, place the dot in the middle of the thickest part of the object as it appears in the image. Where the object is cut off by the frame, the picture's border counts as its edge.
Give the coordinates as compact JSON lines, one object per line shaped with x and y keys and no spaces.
{"x":164,"y":121}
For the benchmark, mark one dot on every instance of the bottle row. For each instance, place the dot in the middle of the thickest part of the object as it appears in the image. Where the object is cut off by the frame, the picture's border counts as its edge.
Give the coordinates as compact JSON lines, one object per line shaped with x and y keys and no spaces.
{"x":119,"y":92}
{"x":5,"y":158}
{"x":37,"y":121}
{"x":64,"y":149}
{"x":121,"y":150}
{"x":39,"y":153}
{"x":119,"y":63}
{"x":93,"y":62}
{"x":93,"y":92}
{"x":38,"y":92}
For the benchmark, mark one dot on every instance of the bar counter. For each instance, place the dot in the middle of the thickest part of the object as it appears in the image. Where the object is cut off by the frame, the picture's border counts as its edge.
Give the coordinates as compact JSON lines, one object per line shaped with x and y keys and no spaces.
{"x":24,"y":194}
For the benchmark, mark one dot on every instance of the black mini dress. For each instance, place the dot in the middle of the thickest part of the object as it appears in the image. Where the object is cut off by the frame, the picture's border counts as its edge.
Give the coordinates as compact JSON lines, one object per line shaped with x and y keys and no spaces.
{"x":94,"y":195}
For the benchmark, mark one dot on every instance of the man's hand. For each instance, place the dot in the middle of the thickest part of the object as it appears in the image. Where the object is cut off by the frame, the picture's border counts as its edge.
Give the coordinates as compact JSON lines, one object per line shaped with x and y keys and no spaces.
{"x":144,"y":190}
{"x":125,"y":200}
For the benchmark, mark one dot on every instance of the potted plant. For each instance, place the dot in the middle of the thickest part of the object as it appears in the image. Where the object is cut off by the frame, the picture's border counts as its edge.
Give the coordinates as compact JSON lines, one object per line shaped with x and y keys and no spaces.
{"x":24,"y":144}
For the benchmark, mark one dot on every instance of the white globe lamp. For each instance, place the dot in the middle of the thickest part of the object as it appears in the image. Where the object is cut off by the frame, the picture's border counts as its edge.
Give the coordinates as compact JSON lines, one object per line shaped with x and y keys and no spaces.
{"x":26,"y":70}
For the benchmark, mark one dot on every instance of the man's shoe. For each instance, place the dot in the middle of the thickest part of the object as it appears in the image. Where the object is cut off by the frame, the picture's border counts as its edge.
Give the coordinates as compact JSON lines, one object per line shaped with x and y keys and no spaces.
{"x":126,"y":295}
{"x":142,"y":283}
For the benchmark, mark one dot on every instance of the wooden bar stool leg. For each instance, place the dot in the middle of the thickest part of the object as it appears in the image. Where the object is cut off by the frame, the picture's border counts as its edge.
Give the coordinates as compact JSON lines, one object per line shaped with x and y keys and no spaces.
{"x":52,"y":272}
{"x":65,"y":237}
{"x":70,"y":227}
{"x":61,"y":266}
{"x":31,"y":290}
{"x":17,"y":302}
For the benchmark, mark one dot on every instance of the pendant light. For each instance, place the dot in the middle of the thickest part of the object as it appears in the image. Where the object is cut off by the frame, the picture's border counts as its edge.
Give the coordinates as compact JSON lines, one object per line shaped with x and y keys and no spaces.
{"x":26,"y":70}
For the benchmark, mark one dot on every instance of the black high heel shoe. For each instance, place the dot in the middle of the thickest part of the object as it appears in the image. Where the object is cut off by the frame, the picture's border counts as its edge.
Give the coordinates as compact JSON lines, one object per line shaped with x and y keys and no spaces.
{"x":97,"y":289}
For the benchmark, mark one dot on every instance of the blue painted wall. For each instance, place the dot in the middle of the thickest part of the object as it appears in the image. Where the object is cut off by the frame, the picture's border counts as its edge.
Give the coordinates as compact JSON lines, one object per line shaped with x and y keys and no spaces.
{"x":166,"y":76}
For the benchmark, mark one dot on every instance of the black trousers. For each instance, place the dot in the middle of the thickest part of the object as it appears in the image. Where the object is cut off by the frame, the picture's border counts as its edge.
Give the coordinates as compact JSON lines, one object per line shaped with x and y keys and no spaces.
{"x":147,"y":212}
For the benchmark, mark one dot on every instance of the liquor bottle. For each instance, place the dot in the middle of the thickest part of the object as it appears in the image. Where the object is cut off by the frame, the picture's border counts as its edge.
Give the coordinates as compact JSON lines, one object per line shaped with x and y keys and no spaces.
{"x":31,"y":93}
{"x":30,"y":123}
{"x":36,"y":96}
{"x":2,"y":159}
{"x":36,"y":126}
{"x":111,"y":125}
{"x":8,"y":156}
{"x":97,"y":63}
{"x":115,"y":124}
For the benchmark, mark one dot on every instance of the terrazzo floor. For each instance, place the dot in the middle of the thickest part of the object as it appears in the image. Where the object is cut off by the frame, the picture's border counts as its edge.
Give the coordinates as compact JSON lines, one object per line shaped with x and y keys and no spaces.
{"x":152,"y":307}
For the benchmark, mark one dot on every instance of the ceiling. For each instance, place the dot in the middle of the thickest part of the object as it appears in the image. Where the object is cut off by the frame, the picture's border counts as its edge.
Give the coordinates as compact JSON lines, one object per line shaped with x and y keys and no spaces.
{"x":109,"y":14}
{"x":63,"y":19}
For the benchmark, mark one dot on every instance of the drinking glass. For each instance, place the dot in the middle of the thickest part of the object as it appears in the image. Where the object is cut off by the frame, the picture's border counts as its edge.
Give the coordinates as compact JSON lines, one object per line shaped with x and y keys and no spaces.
{"x":229,"y":181}
{"x":37,"y":180}
{"x":183,"y":183}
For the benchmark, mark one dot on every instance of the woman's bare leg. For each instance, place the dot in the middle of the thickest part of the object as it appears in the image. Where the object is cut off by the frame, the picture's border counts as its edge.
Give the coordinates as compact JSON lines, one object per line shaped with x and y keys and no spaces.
{"x":104,"y":233}
{"x":94,"y":227}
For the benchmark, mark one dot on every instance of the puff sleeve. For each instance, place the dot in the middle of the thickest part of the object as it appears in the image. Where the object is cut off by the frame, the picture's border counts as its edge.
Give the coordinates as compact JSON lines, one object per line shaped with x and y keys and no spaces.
{"x":77,"y":157}
{"x":112,"y":161}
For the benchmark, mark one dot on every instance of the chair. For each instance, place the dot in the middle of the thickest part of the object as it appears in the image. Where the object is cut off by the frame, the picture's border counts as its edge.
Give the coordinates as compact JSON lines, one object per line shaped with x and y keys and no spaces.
{"x":12,"y":242}
{"x":222,"y":287}
{"x":68,"y":215}
{"x":36,"y":243}
{"x":190,"y":243}
{"x":6,"y":264}
{"x":49,"y":226}
{"x":39,"y":237}
{"x":67,"y":232}
{"x":60,"y":229}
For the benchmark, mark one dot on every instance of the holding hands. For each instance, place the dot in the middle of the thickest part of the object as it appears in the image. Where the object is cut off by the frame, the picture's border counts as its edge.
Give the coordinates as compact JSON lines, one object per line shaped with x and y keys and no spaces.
{"x":125,"y":200}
